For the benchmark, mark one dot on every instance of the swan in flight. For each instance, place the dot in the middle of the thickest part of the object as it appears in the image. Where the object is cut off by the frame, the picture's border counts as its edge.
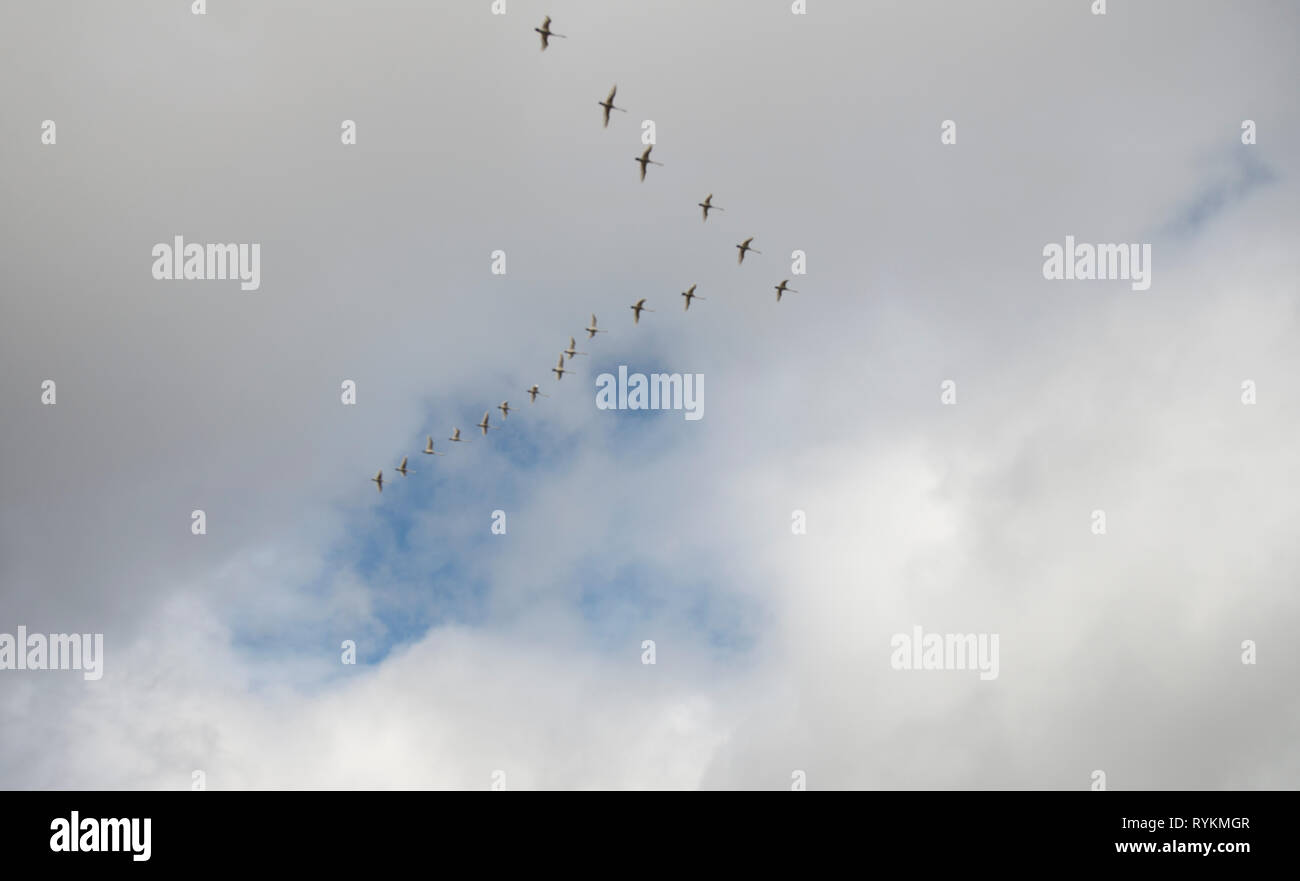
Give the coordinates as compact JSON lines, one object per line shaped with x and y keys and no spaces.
{"x":546,"y":32}
{"x":637,"y":309}
{"x":592,"y":330}
{"x":533,"y":393}
{"x":559,"y":370}
{"x":401,"y":469}
{"x":744,"y":246}
{"x":484,"y":424}
{"x":455,"y":436}
{"x":690,"y":294}
{"x":428,"y":447}
{"x":708,"y":205}
{"x":646,"y":160}
{"x":379,"y":479}
{"x":783,"y":288}
{"x":504,"y":407}
{"x":572,"y":350}
{"x":608,"y":104}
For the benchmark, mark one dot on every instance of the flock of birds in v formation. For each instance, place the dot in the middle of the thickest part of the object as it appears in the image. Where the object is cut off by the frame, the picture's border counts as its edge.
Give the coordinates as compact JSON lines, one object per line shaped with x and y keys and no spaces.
{"x":637,"y":308}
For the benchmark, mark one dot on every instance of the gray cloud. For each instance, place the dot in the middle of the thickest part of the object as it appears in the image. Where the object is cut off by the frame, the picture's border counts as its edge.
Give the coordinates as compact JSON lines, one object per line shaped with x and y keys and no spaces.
{"x":821,"y":133}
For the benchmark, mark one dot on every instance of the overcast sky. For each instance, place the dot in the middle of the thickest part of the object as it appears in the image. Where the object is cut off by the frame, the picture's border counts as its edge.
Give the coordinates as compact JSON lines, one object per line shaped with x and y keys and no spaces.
{"x":523,"y":652}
